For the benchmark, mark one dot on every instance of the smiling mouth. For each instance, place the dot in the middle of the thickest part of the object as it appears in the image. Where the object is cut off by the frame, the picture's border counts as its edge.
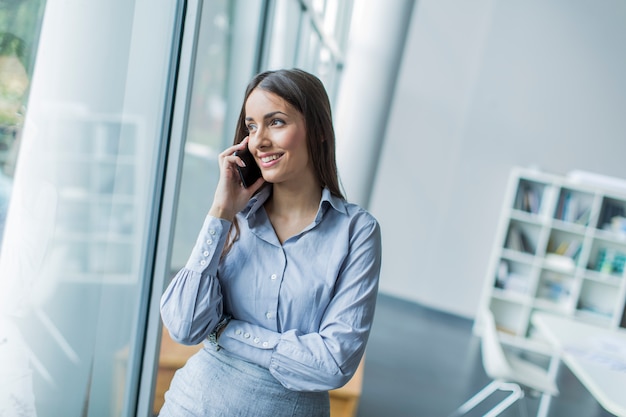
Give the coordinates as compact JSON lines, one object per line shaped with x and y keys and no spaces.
{"x":270,"y":158}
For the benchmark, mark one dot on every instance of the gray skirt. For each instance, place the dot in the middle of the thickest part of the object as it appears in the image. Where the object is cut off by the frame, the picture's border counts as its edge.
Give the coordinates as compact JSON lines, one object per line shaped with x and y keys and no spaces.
{"x":214,"y":384}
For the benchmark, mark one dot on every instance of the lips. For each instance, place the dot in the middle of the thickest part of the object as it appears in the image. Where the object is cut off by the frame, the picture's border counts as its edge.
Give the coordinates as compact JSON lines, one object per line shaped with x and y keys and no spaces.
{"x":269,"y":158}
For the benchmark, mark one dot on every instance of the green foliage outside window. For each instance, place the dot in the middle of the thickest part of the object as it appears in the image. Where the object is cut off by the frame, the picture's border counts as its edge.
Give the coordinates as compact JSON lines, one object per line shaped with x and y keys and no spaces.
{"x":20,"y":22}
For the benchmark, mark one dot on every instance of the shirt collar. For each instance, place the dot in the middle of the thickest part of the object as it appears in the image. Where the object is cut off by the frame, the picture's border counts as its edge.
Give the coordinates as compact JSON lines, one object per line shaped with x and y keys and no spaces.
{"x":264,"y":193}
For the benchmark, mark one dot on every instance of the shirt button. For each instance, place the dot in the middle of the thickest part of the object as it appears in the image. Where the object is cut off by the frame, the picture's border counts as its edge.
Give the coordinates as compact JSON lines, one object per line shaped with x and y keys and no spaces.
{"x":265,"y":344}
{"x":238,"y":332}
{"x":205,"y":253}
{"x":268,"y":315}
{"x":209,"y":241}
{"x":257,"y":340}
{"x":273,"y":277}
{"x":246,"y":335}
{"x":211,"y":231}
{"x":203,"y":262}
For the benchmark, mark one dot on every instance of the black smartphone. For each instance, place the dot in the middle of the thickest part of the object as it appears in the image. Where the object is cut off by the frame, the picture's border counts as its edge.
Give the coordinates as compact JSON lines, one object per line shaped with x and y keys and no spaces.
{"x":251,"y":172}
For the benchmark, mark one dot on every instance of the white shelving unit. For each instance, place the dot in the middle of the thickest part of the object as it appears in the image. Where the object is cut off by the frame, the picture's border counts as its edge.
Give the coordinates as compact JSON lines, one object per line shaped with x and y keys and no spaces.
{"x":561,"y":248}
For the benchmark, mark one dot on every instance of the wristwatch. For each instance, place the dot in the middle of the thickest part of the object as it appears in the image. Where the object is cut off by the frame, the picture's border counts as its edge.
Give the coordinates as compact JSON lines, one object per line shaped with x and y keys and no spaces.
{"x":216,"y":332}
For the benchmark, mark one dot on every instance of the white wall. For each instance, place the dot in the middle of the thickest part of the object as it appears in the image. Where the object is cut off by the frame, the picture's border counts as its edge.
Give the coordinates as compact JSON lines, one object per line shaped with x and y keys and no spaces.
{"x":486,"y":85}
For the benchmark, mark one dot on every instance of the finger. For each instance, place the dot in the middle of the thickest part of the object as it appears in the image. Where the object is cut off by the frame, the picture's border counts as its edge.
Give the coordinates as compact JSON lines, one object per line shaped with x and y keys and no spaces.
{"x":231,"y":149}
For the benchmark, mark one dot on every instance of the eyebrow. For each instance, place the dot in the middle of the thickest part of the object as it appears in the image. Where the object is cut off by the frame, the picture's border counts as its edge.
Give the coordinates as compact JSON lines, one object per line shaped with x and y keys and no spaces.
{"x":268,"y":115}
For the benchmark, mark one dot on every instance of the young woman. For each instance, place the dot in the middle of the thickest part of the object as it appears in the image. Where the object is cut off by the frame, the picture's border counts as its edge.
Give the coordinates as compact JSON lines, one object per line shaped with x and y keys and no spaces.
{"x":281,"y":284}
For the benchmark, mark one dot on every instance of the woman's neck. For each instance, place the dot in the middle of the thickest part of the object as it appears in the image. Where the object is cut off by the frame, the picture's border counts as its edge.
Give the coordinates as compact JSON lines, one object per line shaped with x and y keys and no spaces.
{"x":291,"y":209}
{"x":294,"y":200}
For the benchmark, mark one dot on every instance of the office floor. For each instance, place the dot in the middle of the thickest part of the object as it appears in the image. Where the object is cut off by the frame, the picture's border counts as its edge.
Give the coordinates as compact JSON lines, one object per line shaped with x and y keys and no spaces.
{"x":424,"y":363}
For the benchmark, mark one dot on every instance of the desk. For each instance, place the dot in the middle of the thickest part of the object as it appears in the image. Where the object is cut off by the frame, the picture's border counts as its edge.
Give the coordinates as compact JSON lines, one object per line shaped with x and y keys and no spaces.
{"x":596,"y":355}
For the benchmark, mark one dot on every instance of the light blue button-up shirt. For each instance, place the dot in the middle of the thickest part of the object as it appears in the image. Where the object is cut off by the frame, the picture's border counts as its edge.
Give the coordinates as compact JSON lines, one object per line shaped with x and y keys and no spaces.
{"x":302,"y":309}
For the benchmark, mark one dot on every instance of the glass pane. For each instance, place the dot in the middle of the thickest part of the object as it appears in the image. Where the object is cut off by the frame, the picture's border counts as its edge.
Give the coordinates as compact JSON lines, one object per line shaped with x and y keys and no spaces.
{"x":206,"y":126}
{"x":284,"y":34}
{"x":73,"y":274}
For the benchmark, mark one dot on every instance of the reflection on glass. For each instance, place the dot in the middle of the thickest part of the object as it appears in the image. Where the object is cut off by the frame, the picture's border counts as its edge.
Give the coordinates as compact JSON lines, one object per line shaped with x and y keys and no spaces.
{"x":75,"y":247}
{"x":19,"y":22}
{"x":19,"y":25}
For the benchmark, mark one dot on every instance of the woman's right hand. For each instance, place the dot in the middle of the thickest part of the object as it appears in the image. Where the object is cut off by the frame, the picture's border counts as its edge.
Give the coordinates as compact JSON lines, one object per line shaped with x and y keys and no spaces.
{"x":230,"y":195}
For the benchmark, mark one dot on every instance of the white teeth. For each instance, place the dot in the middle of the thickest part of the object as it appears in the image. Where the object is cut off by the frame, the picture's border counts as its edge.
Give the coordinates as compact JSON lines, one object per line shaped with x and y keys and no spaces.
{"x":270,"y":158}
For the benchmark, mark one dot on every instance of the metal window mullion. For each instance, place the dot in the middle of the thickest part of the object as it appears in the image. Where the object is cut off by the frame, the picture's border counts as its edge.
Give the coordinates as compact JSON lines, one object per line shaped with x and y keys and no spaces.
{"x":318,"y":25}
{"x":185,"y":42}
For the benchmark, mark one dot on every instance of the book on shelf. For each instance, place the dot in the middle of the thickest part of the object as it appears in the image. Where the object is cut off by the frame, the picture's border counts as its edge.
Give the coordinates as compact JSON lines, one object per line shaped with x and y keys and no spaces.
{"x":584,"y":216}
{"x":571,"y":208}
{"x":569,"y":249}
{"x":611,"y":211}
{"x":517,"y":240}
{"x":610,"y":261}
{"x":508,"y":280}
{"x":555,"y":288}
{"x":528,"y":199}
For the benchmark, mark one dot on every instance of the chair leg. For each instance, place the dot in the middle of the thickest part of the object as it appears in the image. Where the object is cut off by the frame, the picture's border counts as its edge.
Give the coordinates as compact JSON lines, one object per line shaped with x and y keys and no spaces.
{"x":480,"y":396}
{"x":544,"y":405}
{"x":523,"y":409}
{"x":476,"y":399}
{"x":516,"y":394}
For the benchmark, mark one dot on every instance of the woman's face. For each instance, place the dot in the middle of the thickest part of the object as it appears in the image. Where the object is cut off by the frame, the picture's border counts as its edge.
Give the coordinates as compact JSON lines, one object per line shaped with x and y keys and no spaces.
{"x":277,"y":138}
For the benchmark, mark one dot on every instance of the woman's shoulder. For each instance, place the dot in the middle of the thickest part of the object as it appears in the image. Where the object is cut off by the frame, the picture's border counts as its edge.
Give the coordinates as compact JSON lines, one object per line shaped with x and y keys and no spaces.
{"x":360,"y":215}
{"x":357,"y":216}
{"x":352,"y":210}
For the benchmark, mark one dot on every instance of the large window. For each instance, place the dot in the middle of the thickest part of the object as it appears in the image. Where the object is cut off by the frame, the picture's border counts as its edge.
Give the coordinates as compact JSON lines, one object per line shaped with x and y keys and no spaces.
{"x":87,"y":118}
{"x":77,"y":243}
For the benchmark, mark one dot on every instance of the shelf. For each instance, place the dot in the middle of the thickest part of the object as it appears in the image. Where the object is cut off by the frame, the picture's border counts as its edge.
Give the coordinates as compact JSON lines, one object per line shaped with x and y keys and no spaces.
{"x":607,"y":279}
{"x":511,"y":296}
{"x":560,"y":247}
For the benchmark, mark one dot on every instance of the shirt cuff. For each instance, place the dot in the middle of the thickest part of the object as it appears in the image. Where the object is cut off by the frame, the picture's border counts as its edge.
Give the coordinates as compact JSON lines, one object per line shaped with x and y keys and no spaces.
{"x":209,"y":245}
{"x":250,"y":342}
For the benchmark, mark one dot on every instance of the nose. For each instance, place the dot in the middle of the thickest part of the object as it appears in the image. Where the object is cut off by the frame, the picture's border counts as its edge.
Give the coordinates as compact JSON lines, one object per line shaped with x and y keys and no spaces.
{"x":259,"y":139}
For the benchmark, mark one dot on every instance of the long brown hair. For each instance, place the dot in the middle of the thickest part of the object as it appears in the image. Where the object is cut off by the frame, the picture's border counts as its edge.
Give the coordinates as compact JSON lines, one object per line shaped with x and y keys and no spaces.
{"x":306,"y":93}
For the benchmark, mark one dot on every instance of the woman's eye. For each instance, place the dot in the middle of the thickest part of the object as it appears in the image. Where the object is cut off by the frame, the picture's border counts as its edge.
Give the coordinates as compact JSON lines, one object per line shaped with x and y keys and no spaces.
{"x":277,"y":122}
{"x":251,"y":128}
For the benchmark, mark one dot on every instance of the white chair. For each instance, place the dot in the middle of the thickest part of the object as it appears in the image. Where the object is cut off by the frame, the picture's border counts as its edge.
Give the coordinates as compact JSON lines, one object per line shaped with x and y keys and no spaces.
{"x":509,"y":373}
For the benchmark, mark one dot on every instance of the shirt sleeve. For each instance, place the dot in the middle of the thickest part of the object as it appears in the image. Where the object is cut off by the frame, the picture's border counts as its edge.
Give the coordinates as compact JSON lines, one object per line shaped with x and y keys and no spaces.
{"x":192,"y":304}
{"x":329,"y":358}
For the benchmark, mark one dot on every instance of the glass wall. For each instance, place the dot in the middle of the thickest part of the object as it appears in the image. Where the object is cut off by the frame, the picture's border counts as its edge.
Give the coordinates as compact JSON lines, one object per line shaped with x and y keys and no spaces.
{"x":84,"y":127}
{"x":77,"y":247}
